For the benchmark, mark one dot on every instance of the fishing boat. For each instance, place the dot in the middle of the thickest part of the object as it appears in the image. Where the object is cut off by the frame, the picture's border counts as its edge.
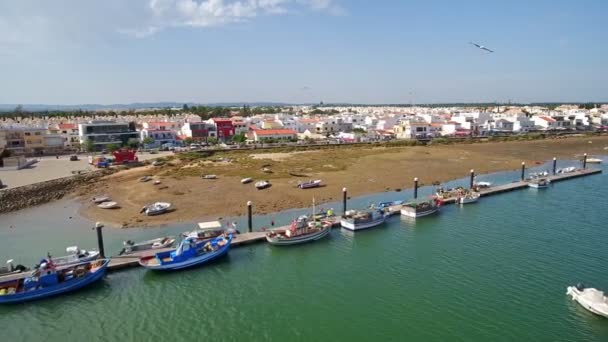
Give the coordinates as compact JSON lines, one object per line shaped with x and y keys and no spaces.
{"x":384,"y":205}
{"x":539,"y":183}
{"x":210,"y":230}
{"x":594,"y":161}
{"x":156,"y":208}
{"x":101,"y":199}
{"x":246,"y":180}
{"x":310,"y":184}
{"x":591,"y":299}
{"x":482,"y":185}
{"x":11,"y":269}
{"x":469,"y":197}
{"x":209,"y":176}
{"x":362,"y":219}
{"x":108,"y":205}
{"x":189,"y":253}
{"x":301,"y":230}
{"x":131,"y":246}
{"x":262,"y":185}
{"x":75,"y":255}
{"x":420,"y":208}
{"x":569,"y":169}
{"x":50,"y":280}
{"x":539,"y":174}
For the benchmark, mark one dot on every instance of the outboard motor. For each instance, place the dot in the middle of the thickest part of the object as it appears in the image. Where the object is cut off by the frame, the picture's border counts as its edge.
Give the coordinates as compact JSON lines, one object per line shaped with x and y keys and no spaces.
{"x":580,"y":286}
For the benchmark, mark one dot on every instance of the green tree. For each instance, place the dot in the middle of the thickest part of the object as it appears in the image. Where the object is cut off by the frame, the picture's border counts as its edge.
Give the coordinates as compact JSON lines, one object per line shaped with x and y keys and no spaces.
{"x":358,"y":130}
{"x":188,"y":141}
{"x":133,"y":143}
{"x":185,"y":107}
{"x":89,"y":146}
{"x":148,"y":141}
{"x":112,"y":147}
{"x":239,"y":138}
{"x":211,"y":140}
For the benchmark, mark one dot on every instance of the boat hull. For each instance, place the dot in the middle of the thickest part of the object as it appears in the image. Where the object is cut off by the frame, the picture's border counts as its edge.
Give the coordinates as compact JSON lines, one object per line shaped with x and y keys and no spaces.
{"x":58,"y":289}
{"x":298,"y":239}
{"x":192,"y":262}
{"x":361,"y":226}
{"x":578,"y":296}
{"x":538,"y":186}
{"x":415,"y":214}
{"x":468,"y":200}
{"x":67,"y":260}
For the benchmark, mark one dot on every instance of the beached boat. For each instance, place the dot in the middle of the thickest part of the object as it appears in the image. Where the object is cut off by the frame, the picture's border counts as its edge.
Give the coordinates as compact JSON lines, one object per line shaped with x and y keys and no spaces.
{"x":209,"y":176}
{"x":310,"y":184}
{"x":246,"y":180}
{"x":156,"y":208}
{"x":145,"y":179}
{"x":158,"y":163}
{"x":210,"y":230}
{"x":266,"y":170}
{"x":383,"y":205}
{"x":12,"y":269}
{"x":52,"y":280}
{"x":591,"y":299}
{"x":539,"y":183}
{"x":569,"y":169}
{"x":262,"y":185}
{"x":362,"y":219}
{"x":469,"y":197}
{"x":108,"y":205}
{"x":100,"y":199}
{"x":301,"y":230}
{"x":420,"y":208}
{"x":594,"y":161}
{"x":75,"y":255}
{"x":131,"y":247}
{"x":189,"y":253}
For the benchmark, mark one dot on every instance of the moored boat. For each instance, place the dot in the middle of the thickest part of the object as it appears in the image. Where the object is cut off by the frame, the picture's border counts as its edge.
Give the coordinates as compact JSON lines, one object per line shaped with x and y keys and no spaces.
{"x":310,"y":184}
{"x":108,"y":205}
{"x":75,"y":255}
{"x":469,"y":197}
{"x":539,"y":183}
{"x":210,"y":230}
{"x":52,"y":280}
{"x":189,"y":253}
{"x":131,"y":247}
{"x":594,"y":161}
{"x":591,"y":299}
{"x":482,"y":185}
{"x":156,"y":208}
{"x":420,"y":208}
{"x":302,"y":230}
{"x":569,"y":169}
{"x":362,"y":219}
{"x":383,"y":205}
{"x":262,"y":185}
{"x":12,"y":269}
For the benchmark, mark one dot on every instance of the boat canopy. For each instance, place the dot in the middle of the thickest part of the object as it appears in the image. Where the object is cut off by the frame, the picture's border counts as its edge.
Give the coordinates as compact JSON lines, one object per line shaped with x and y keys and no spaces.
{"x":211,"y":225}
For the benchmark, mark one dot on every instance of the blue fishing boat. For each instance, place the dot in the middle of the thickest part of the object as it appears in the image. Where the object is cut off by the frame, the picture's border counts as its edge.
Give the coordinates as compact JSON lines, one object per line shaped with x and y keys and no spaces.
{"x":190,"y":252}
{"x":49,"y":280}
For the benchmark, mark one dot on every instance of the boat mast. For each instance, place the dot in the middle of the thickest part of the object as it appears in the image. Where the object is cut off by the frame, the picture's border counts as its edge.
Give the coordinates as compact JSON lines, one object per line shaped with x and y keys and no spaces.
{"x":314,"y":217}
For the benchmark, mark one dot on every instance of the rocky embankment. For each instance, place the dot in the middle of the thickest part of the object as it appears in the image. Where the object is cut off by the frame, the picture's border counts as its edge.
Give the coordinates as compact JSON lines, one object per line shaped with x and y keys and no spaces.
{"x":43,"y":192}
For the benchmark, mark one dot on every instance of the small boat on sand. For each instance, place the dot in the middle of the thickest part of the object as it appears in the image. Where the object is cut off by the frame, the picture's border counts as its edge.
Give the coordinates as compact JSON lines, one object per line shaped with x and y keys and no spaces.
{"x":156,"y":182}
{"x":158,"y":163}
{"x":108,"y":205}
{"x":469,"y":197}
{"x":52,"y":280}
{"x":591,"y":299}
{"x":131,"y":247}
{"x":246,"y":180}
{"x":262,"y":185}
{"x":156,"y":208}
{"x":189,"y":253}
{"x":362,"y":219}
{"x":540,"y":183}
{"x":145,"y":179}
{"x":100,"y":199}
{"x":420,"y":208}
{"x":209,"y":176}
{"x":310,"y":184}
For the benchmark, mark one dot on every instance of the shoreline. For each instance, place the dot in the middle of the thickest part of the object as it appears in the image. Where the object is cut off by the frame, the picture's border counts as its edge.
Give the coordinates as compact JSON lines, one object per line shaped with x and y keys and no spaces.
{"x":362,"y":172}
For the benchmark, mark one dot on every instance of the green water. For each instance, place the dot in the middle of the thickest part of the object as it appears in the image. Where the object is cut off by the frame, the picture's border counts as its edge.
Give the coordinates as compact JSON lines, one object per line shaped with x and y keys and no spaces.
{"x":493,"y":271}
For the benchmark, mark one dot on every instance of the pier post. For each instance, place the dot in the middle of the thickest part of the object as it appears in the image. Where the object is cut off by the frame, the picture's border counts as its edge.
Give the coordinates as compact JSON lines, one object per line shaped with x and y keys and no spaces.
{"x":523,"y":171}
{"x":416,"y":188}
{"x":98,"y":227}
{"x":249,"y":217}
{"x":585,"y":161}
{"x":343,"y":201}
{"x":554,"y":165}
{"x":471,"y":183}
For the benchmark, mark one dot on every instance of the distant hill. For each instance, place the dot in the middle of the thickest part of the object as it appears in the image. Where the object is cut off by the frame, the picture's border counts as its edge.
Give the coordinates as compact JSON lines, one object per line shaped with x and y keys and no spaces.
{"x":137,"y":105}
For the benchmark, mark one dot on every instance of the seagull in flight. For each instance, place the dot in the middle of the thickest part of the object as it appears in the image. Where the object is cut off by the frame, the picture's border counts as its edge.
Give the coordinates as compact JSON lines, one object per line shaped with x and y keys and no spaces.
{"x":481,"y":47}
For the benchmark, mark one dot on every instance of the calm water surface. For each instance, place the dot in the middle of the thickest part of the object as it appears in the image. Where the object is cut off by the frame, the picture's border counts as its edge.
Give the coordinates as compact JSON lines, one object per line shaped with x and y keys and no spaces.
{"x":493,"y":271}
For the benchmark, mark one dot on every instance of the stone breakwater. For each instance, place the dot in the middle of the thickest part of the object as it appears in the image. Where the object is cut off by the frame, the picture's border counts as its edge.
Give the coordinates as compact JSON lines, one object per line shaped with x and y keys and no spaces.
{"x":43,"y":192}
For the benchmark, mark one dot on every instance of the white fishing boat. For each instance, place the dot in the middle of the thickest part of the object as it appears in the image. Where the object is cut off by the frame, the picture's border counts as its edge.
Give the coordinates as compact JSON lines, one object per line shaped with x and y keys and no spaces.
{"x":302,"y":230}
{"x":310,"y":184}
{"x":362,"y":219}
{"x":108,"y":205}
{"x":482,"y":185}
{"x":591,"y":299}
{"x":210,"y":177}
{"x":469,"y":197}
{"x":246,"y":180}
{"x":75,"y":255}
{"x":100,"y":199}
{"x":131,"y":247}
{"x":156,"y":208}
{"x":569,"y":169}
{"x":594,"y":161}
{"x":262,"y":184}
{"x":211,"y":229}
{"x":539,"y":183}
{"x":420,"y":208}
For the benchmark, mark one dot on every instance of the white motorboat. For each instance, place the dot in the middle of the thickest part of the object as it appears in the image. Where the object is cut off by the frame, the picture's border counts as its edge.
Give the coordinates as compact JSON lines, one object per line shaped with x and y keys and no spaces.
{"x":310,"y":184}
{"x":469,"y":197}
{"x":246,"y":180}
{"x":540,"y":183}
{"x":594,"y":161}
{"x":420,"y":208}
{"x":101,"y":199}
{"x":156,"y":208}
{"x":262,"y":184}
{"x":131,"y":246}
{"x":569,"y":169}
{"x":210,"y":177}
{"x":108,"y":205}
{"x":75,"y":255}
{"x":483,"y":184}
{"x":358,"y":220}
{"x":591,"y":299}
{"x":210,"y":230}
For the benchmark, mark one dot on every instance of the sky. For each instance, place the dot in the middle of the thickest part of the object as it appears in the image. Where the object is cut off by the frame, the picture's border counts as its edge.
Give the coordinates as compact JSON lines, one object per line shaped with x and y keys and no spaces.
{"x":302,"y":51}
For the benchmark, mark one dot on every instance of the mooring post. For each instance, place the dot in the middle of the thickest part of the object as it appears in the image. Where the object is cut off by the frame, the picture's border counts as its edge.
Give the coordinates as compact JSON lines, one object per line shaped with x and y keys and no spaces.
{"x":585,"y":161}
{"x":249,"y":217}
{"x":416,"y":188}
{"x":523,"y":170}
{"x":554,"y":165}
{"x":98,"y":227}
{"x":343,"y":201}
{"x":472,"y":182}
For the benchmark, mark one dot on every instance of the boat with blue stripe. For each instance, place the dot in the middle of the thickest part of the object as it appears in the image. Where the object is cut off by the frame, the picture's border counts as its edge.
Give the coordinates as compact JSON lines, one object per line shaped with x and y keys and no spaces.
{"x":190,"y":252}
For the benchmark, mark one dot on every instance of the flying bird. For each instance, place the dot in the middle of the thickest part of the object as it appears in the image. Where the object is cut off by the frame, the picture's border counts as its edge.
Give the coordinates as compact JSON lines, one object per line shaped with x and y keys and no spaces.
{"x":481,"y":47}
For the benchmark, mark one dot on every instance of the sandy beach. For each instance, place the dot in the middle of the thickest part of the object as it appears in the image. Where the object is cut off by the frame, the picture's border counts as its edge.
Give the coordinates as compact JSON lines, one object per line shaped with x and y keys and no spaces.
{"x":361,"y":170}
